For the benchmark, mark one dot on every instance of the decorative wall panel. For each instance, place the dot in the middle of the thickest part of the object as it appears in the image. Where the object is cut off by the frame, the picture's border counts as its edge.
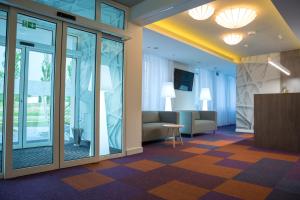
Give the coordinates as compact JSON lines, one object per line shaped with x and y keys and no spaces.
{"x":254,"y":76}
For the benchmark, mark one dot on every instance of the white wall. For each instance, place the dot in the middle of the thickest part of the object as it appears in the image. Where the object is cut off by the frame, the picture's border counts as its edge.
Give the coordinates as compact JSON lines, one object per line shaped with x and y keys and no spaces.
{"x":133,"y":90}
{"x":184,"y":99}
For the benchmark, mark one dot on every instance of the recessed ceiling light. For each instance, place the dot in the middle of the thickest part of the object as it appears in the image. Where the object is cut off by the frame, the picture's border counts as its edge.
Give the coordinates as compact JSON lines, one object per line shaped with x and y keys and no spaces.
{"x":202,"y":12}
{"x":233,"y":38}
{"x":246,"y":45}
{"x":233,"y":18}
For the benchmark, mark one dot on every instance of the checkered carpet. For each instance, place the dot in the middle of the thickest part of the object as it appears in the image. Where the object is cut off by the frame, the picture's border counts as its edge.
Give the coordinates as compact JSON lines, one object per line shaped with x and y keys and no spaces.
{"x":206,"y":167}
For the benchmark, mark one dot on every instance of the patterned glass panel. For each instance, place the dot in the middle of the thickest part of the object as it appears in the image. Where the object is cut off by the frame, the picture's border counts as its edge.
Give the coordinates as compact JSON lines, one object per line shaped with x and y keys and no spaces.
{"x":112,"y":16}
{"x":111,"y":97}
{"x":83,"y":8}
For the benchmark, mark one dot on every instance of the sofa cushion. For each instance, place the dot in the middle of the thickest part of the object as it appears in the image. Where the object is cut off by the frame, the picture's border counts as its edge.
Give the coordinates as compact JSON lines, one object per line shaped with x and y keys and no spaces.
{"x":150,"y":116}
{"x":204,"y":125}
{"x":154,"y":131}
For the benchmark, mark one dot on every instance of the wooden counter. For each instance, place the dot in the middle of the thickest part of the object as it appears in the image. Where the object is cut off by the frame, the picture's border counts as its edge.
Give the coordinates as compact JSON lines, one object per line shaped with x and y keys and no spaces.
{"x":277,"y":121}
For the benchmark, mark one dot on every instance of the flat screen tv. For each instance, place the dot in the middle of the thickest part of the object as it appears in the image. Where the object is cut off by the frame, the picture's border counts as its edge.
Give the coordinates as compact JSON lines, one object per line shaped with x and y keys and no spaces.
{"x":183,"y":80}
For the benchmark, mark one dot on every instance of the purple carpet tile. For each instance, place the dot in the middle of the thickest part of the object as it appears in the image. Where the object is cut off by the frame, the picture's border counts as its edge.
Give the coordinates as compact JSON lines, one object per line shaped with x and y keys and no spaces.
{"x":294,"y":173}
{"x":116,"y":191}
{"x":128,"y":159}
{"x":120,"y":172}
{"x":198,"y":179}
{"x":218,"y":153}
{"x":287,"y":185}
{"x":36,"y":187}
{"x":234,"y":164}
{"x":266,"y":172}
{"x":170,"y":157}
{"x":282,"y":195}
{"x":217,"y":196}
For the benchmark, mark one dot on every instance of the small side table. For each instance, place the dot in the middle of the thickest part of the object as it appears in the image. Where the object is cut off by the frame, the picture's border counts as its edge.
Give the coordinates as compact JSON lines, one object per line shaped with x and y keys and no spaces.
{"x":173,"y":129}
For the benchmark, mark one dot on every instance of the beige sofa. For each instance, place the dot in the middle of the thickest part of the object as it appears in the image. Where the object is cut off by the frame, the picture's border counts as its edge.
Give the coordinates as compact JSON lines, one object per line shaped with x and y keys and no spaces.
{"x":152,"y":124}
{"x":198,"y":122}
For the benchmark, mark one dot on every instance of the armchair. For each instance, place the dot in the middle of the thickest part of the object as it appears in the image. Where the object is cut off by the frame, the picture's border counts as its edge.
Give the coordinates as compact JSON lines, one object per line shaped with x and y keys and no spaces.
{"x":198,"y":121}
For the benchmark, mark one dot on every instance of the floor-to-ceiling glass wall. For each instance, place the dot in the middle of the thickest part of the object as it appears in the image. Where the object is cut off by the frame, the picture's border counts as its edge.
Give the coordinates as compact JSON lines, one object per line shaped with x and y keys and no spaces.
{"x":33,"y":93}
{"x":58,"y":109}
{"x":79,"y":117}
{"x":111,"y":97}
{"x":3,"y":23}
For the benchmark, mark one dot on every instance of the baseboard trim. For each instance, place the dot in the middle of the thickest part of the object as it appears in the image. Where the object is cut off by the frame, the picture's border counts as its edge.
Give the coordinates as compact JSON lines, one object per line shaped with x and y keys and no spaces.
{"x":134,"y":150}
{"x":240,"y":130}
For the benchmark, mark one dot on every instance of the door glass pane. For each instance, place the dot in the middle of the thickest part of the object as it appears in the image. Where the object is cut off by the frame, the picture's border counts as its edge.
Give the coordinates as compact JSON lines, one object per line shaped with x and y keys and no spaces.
{"x":83,"y":8}
{"x":3,"y":20}
{"x":17,"y":134}
{"x":111,"y":97}
{"x":79,"y":95}
{"x":112,"y":16}
{"x":33,"y":96}
{"x":38,"y":108}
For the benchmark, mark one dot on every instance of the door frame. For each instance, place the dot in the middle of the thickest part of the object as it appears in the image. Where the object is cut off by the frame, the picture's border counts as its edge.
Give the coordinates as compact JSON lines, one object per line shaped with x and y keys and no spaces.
{"x":4,"y":9}
{"x":9,"y":172}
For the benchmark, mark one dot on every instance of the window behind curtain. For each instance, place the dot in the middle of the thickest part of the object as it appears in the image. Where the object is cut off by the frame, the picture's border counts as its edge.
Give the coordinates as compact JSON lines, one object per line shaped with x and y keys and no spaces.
{"x":223,"y":91}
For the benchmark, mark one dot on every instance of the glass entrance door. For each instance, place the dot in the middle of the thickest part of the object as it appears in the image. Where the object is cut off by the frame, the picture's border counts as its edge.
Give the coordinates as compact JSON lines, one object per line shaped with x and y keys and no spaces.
{"x":79,"y":95}
{"x":66,"y":107}
{"x":33,"y":94}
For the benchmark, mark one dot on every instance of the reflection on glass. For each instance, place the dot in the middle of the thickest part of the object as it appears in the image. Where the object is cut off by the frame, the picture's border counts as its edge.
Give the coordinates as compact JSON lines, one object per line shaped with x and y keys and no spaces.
{"x":82,"y":8}
{"x":33,"y":95}
{"x":3,"y":20}
{"x":79,"y":95}
{"x":112,"y":16}
{"x":111,"y":97}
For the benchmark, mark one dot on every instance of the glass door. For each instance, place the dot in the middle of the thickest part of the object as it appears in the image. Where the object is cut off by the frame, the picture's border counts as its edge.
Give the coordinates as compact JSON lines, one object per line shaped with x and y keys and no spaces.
{"x":111,"y":97}
{"x":33,"y":97}
{"x":32,"y":142}
{"x":3,"y":23}
{"x":79,"y":95}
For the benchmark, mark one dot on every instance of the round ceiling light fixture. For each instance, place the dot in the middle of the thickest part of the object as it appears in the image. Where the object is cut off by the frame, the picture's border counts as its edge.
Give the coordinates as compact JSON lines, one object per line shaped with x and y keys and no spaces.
{"x":202,"y":12}
{"x":233,"y":18}
{"x":233,"y":38}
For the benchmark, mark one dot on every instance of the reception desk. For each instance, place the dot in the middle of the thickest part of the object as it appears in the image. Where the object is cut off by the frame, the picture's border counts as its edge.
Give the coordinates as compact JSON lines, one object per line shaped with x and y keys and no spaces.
{"x":277,"y":121}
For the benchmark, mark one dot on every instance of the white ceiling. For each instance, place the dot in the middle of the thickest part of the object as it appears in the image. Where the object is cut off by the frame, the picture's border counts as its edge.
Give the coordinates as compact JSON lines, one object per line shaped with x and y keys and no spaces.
{"x":289,"y":9}
{"x":160,"y":45}
{"x":268,"y":25}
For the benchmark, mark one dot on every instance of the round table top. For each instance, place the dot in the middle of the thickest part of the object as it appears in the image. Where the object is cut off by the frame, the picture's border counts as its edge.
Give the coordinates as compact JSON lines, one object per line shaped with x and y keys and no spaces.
{"x":173,"y":125}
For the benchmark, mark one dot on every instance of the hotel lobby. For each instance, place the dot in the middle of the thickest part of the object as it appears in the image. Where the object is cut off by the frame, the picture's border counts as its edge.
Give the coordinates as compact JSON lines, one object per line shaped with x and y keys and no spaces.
{"x":143,"y":99}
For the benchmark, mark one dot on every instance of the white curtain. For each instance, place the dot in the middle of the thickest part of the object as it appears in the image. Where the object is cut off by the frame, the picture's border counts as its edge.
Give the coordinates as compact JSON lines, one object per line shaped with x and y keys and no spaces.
{"x":204,"y":79}
{"x":156,"y":71}
{"x":223,"y":92}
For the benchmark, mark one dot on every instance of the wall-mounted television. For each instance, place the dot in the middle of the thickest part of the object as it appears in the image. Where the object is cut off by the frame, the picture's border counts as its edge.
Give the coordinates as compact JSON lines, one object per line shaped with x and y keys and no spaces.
{"x":183,"y":80}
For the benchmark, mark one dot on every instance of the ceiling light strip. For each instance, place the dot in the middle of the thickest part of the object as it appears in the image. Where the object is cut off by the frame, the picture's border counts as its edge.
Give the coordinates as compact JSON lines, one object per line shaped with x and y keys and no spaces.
{"x":279,"y":67}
